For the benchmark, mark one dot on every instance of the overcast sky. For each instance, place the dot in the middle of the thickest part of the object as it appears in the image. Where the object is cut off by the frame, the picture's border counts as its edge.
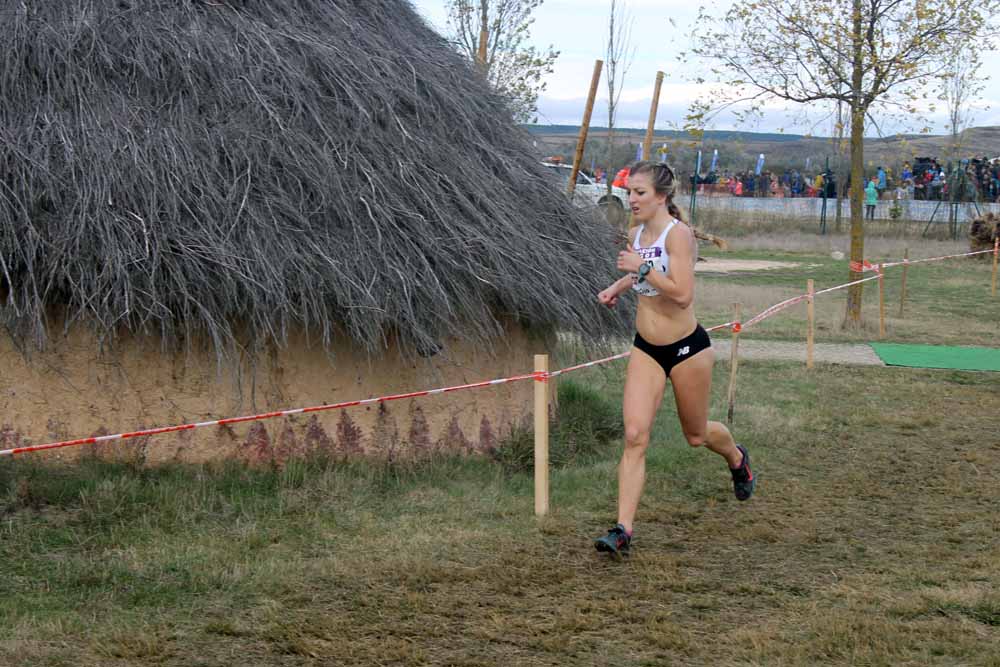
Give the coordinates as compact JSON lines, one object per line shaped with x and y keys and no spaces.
{"x":578,"y":30}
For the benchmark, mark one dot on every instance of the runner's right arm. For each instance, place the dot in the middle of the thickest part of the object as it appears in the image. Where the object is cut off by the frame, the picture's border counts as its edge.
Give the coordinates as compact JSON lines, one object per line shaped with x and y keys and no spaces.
{"x":609,"y":296}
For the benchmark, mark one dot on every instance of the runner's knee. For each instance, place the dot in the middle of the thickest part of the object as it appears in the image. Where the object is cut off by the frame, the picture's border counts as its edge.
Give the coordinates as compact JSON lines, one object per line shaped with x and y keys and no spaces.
{"x":636,"y":437}
{"x":696,"y":439}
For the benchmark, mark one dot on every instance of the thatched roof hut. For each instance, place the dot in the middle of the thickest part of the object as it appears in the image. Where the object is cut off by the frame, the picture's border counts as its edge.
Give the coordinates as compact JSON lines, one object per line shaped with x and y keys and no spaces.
{"x":234,"y":172}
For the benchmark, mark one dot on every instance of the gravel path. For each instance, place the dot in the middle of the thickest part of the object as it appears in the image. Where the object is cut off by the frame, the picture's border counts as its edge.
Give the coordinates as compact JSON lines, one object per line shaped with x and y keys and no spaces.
{"x":829,"y":353}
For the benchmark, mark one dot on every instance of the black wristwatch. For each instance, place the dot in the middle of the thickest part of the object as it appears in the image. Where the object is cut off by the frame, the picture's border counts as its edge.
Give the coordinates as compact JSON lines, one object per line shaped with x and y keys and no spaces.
{"x":643,"y":272}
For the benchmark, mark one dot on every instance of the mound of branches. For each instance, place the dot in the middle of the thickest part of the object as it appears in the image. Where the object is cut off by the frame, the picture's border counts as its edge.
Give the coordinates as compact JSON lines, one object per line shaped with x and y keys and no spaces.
{"x":191,"y":168}
{"x":982,"y":231}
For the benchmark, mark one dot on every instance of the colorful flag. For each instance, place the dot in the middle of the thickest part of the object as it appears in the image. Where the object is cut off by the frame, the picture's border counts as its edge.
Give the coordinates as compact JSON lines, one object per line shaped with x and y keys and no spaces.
{"x":663,"y":153}
{"x":638,"y":152}
{"x":715,"y":160}
{"x":760,"y":164}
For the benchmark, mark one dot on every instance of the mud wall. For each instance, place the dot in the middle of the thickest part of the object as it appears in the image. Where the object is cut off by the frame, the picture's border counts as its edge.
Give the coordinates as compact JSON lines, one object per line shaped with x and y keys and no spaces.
{"x":70,"y":391}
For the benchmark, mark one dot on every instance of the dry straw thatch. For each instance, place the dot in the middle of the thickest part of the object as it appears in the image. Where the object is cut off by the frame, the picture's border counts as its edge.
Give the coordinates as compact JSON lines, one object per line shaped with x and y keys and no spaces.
{"x":195,"y":168}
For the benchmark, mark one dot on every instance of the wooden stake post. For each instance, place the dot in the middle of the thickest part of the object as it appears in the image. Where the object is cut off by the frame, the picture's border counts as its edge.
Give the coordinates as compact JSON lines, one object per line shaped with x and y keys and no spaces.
{"x":996,"y":251}
{"x":581,"y":141}
{"x":811,"y":317}
{"x":733,"y":361}
{"x":541,"y":437}
{"x":647,"y":144}
{"x":902,"y":294}
{"x":881,"y":302}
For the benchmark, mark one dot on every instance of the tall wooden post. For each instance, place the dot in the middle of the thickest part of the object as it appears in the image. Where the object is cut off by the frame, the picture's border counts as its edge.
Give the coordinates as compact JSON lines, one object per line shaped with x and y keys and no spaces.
{"x":647,"y":144}
{"x":881,"y":301}
{"x":581,"y":141}
{"x":733,"y":361}
{"x":811,"y":317}
{"x":541,"y":437}
{"x":484,"y":37}
{"x":902,"y":294}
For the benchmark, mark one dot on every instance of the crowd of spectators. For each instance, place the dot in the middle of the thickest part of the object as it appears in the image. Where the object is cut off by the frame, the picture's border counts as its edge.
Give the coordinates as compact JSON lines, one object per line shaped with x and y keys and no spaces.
{"x":976,"y":179}
{"x":791,"y":183}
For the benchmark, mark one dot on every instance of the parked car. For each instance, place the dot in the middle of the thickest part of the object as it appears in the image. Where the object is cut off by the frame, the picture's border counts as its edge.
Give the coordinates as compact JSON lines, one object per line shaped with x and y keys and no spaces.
{"x":587,"y":190}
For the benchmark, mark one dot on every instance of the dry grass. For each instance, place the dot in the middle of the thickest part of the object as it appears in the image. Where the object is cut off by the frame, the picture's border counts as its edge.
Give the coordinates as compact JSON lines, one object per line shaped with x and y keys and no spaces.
{"x":875,"y":246}
{"x":719,"y":296}
{"x":873,"y":541}
{"x":801,"y":235}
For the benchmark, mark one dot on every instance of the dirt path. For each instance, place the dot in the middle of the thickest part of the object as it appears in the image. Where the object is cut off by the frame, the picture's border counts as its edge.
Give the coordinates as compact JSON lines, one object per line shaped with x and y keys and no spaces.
{"x":828,"y":353}
{"x":722,"y":265}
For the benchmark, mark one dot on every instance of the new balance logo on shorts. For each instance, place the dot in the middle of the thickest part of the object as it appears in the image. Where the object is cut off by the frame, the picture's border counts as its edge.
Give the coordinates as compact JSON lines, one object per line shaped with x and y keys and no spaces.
{"x":684,"y":350}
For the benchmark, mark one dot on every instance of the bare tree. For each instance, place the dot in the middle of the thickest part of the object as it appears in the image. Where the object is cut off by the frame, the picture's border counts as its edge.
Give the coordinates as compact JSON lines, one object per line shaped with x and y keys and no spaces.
{"x":869,"y":55}
{"x":960,"y":84}
{"x":495,"y":34}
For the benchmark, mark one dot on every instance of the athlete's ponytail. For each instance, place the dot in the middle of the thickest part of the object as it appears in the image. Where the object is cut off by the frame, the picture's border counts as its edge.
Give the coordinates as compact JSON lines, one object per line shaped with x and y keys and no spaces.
{"x":675,"y":210}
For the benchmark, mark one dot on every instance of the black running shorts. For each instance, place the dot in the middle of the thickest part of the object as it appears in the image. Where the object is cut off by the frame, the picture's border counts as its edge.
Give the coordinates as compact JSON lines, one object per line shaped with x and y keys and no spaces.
{"x":670,"y":355}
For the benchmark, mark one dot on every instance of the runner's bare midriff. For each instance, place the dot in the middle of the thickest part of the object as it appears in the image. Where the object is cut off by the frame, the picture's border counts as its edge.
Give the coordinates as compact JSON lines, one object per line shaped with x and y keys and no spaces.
{"x":662,"y":322}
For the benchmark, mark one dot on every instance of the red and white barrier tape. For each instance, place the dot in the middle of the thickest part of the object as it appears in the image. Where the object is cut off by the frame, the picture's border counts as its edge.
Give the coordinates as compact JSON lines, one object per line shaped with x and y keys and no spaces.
{"x":775,"y":309}
{"x":625,"y":354}
{"x":267,"y":415}
{"x":735,"y":326}
{"x":865,"y":266}
{"x":850,"y":284}
{"x":935,"y":259}
{"x":862,"y":266}
{"x":541,"y":376}
{"x":605,"y":360}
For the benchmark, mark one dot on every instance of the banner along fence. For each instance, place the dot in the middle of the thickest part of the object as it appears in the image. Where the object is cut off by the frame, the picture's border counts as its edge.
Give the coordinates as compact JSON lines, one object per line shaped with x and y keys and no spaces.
{"x":912,"y":210}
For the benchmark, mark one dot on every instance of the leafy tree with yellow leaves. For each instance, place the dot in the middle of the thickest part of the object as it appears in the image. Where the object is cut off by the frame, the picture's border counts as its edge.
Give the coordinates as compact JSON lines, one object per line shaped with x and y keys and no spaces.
{"x":870,"y":55}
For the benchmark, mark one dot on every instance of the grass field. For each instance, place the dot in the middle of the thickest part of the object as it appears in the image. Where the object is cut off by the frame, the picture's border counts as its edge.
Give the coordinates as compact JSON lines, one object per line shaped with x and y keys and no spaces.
{"x":874,"y":538}
{"x":947,"y":302}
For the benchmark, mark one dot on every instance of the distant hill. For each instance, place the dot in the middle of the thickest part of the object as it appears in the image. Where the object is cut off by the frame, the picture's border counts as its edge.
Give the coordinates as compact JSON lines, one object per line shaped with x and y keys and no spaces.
{"x":739,"y":150}
{"x":718,"y":135}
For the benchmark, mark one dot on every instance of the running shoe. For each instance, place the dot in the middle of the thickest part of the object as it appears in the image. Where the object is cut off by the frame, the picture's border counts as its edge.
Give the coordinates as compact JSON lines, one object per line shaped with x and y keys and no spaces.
{"x":744,"y":481}
{"x":617,"y":542}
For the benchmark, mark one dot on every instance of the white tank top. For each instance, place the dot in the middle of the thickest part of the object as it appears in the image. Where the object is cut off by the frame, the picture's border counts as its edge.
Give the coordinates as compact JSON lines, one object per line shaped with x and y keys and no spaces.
{"x":655,"y":255}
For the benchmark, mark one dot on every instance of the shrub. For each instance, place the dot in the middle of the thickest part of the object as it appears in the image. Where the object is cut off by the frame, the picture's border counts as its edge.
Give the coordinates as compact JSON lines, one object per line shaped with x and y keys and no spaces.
{"x":586,"y":422}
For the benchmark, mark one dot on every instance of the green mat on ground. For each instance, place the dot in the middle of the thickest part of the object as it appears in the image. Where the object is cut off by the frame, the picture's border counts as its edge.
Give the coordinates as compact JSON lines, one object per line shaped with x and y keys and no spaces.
{"x":939,"y":356}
